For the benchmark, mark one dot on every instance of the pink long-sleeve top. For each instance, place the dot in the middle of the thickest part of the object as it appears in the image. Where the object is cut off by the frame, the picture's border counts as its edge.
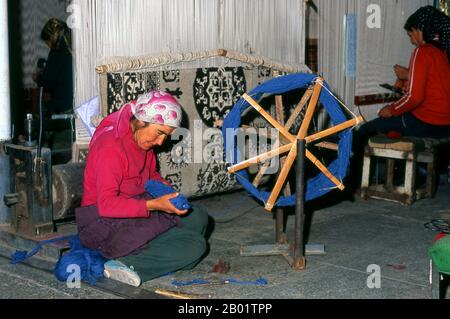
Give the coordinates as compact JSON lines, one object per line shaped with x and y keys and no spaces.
{"x":117,"y":169}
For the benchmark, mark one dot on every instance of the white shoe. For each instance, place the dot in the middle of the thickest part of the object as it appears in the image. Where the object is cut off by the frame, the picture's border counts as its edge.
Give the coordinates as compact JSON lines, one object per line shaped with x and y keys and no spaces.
{"x":117,"y":270}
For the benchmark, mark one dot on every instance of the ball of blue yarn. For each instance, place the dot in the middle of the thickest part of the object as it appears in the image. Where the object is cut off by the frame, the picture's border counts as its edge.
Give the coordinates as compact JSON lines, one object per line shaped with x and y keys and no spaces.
{"x":157,"y":189}
{"x":90,"y":263}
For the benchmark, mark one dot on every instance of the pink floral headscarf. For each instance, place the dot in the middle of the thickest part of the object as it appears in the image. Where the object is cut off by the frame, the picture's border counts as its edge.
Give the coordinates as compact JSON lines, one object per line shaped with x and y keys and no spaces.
{"x":157,"y":107}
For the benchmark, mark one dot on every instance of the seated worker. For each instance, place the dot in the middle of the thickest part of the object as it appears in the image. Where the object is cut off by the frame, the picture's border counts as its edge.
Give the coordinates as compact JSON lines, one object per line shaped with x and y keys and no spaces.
{"x":424,"y":111}
{"x":146,"y":237}
{"x":55,"y":76}
{"x":435,"y":27}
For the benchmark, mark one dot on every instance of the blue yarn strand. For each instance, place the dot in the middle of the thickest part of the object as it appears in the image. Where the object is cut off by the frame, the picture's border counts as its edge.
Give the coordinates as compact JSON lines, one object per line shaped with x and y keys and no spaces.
{"x":21,"y":255}
{"x":259,"y":282}
{"x":90,"y":262}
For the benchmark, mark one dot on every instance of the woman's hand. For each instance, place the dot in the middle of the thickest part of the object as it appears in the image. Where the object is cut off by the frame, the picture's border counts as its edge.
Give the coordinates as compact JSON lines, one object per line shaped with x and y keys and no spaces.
{"x":401,"y":72}
{"x":401,"y":84}
{"x":385,"y":112}
{"x":163,"y":204}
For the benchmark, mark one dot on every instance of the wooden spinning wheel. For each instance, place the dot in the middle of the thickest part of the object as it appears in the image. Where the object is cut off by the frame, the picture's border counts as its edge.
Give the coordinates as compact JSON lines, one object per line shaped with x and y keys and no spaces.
{"x":288,"y":149}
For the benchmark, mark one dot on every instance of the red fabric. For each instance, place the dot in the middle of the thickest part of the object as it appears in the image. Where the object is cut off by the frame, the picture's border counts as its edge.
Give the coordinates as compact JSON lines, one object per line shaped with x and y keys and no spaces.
{"x":428,"y":96}
{"x":117,"y":169}
{"x":393,"y":134}
{"x":439,"y":236}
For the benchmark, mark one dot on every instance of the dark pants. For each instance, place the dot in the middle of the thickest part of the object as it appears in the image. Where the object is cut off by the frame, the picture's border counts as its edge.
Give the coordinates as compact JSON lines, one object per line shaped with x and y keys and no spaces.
{"x":406,"y":125}
{"x":180,"y":248}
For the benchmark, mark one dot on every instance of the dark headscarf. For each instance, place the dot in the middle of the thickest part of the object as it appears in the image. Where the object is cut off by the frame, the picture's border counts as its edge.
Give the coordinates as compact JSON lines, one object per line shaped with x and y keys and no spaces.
{"x":434,"y":24}
{"x":57,"y":32}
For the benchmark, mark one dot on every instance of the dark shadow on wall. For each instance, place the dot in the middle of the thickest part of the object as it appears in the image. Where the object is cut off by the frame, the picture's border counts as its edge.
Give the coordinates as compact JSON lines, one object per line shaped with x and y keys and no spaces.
{"x":15,"y":65}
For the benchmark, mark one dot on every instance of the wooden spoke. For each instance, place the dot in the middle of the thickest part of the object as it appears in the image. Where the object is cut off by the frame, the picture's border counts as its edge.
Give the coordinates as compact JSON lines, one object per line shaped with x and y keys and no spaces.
{"x":328,"y":145}
{"x":299,"y":108}
{"x":261,"y":132}
{"x":262,"y":171}
{"x":333,"y":130}
{"x":279,"y":117}
{"x":269,"y":118}
{"x":310,"y":110}
{"x":324,"y":170}
{"x":282,"y":177}
{"x":260,"y":158}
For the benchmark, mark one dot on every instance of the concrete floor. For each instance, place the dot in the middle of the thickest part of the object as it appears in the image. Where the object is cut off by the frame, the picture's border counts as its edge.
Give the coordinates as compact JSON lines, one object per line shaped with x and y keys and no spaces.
{"x":356,"y":233}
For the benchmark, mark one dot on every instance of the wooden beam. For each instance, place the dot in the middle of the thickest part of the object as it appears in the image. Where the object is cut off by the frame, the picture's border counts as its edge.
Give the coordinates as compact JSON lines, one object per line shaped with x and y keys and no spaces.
{"x":299,"y":108}
{"x":324,"y":170}
{"x":310,"y":110}
{"x":328,"y":145}
{"x":262,"y":132}
{"x":260,"y":158}
{"x":282,"y":177}
{"x":262,"y":171}
{"x":333,"y":130}
{"x":269,"y":118}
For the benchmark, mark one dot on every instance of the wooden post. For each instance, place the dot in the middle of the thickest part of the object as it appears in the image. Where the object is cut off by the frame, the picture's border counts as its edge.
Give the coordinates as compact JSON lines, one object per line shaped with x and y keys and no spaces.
{"x":390,"y":168}
{"x":299,"y":261}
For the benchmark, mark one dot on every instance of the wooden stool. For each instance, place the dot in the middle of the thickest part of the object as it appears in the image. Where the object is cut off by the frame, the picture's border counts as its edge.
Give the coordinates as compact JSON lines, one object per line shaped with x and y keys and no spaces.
{"x":413,"y":151}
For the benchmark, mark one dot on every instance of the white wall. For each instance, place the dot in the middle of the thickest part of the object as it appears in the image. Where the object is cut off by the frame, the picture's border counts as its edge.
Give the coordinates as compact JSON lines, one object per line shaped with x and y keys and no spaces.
{"x":312,"y":19}
{"x":140,"y":27}
{"x":5,"y":93}
{"x":378,"y":49}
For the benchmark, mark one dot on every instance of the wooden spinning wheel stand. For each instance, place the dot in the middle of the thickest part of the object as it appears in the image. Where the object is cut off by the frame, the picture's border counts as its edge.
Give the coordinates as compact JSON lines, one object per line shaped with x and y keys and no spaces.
{"x":295,"y":148}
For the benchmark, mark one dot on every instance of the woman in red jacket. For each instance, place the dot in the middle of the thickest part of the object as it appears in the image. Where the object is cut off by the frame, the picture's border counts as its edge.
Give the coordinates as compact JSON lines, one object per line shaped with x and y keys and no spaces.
{"x":424,"y":111}
{"x":145,"y":237}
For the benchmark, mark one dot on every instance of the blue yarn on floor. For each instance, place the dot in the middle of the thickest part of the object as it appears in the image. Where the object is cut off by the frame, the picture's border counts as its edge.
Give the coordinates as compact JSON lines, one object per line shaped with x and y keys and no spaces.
{"x":21,"y":255}
{"x":90,"y":262}
{"x":259,"y":282}
{"x":157,"y":189}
